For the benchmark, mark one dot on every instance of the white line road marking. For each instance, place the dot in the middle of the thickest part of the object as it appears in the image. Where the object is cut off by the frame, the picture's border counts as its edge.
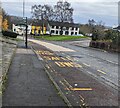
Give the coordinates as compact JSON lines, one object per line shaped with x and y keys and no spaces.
{"x":112,"y":62}
{"x":40,"y":58}
{"x":86,"y":64}
{"x":101,"y":71}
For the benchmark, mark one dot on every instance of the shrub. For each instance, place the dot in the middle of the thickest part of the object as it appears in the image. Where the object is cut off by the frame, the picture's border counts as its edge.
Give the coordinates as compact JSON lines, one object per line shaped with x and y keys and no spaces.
{"x":9,"y":34}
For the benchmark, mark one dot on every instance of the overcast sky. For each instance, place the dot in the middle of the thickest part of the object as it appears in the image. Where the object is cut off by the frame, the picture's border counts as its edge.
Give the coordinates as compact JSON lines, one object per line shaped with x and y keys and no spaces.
{"x":105,"y":10}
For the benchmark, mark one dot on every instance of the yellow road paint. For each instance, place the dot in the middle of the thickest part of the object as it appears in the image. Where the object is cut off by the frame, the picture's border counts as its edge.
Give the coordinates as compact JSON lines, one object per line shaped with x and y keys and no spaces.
{"x":68,"y":58}
{"x":51,"y":58}
{"x":101,"y":71}
{"x":63,"y":84}
{"x":68,"y":83}
{"x":81,"y":97}
{"x":60,"y":64}
{"x":80,"y":89}
{"x":55,"y":58}
{"x":67,"y":64}
{"x":77,"y":65}
{"x":62,"y":58}
{"x":46,"y":57}
{"x":86,"y":64}
{"x":44,"y":52}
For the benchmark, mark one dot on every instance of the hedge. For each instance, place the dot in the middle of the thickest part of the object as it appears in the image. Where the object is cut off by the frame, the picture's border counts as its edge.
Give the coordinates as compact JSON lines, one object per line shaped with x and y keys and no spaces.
{"x":9,"y":34}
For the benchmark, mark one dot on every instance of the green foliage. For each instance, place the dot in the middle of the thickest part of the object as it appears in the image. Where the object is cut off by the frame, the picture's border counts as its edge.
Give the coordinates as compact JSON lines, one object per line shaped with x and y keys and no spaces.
{"x":113,"y":35}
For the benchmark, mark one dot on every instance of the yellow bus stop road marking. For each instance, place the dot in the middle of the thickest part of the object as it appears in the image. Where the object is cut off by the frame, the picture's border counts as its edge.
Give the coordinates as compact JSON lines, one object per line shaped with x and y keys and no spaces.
{"x":101,"y":71}
{"x":67,"y":64}
{"x":80,"y":89}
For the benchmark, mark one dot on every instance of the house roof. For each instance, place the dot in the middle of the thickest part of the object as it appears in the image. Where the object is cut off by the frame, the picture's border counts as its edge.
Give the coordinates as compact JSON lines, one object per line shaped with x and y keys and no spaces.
{"x":64,"y":24}
{"x":54,"y":23}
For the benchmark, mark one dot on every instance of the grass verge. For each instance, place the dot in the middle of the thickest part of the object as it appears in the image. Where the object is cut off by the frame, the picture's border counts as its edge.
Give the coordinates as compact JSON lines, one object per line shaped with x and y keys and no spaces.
{"x":59,"y":38}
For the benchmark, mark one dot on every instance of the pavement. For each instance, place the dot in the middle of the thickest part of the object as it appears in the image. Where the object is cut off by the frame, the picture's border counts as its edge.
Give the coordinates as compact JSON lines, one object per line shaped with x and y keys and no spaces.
{"x":28,"y":84}
{"x":7,"y":49}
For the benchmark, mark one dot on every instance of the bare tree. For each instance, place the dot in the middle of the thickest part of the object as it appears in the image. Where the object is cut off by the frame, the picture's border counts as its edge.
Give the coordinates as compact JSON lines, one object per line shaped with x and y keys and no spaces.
{"x":41,"y":12}
{"x":91,"y":22}
{"x":63,"y":12}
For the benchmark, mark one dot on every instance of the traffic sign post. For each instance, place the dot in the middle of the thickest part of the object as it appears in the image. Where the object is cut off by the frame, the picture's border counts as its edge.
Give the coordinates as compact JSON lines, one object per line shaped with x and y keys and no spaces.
{"x":26,"y":33}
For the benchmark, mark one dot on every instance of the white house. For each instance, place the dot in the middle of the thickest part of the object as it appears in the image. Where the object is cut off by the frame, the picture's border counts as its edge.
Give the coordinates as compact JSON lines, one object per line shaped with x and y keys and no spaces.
{"x":52,"y":27}
{"x":20,"y":29}
{"x":67,"y":28}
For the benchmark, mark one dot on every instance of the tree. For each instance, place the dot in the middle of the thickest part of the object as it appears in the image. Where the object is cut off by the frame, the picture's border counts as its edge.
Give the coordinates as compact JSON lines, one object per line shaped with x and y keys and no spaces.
{"x":5,"y":24}
{"x":91,"y":22}
{"x":85,"y":29}
{"x":63,"y":12}
{"x":7,"y":17}
{"x":41,"y":12}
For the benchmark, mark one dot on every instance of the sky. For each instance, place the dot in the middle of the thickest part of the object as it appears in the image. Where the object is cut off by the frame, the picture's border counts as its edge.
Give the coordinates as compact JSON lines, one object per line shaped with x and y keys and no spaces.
{"x":99,"y":10}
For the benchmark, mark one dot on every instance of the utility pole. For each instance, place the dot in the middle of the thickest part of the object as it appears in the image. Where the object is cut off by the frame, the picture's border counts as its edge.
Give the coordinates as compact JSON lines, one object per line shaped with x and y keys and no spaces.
{"x":119,"y":13}
{"x":23,"y":8}
{"x":23,"y":15}
{"x":25,"y":21}
{"x":26,"y":34}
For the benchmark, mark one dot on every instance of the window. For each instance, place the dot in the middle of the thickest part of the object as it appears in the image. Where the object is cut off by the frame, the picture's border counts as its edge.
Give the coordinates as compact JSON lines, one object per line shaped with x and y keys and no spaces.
{"x":52,"y":26}
{"x":72,"y":33}
{"x":67,"y":28}
{"x":57,"y":27}
{"x":76,"y":28}
{"x":56,"y":31}
{"x":66,"y":32}
{"x":72,"y":28}
{"x":75,"y":33}
{"x":52,"y":31}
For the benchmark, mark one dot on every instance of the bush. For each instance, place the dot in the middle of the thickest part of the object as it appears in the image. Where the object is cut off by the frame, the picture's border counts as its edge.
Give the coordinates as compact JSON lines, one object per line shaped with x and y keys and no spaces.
{"x":9,"y":34}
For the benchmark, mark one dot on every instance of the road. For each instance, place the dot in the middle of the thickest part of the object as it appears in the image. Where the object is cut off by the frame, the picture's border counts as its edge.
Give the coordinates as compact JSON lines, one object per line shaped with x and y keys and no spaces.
{"x":86,"y":76}
{"x":101,"y":64}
